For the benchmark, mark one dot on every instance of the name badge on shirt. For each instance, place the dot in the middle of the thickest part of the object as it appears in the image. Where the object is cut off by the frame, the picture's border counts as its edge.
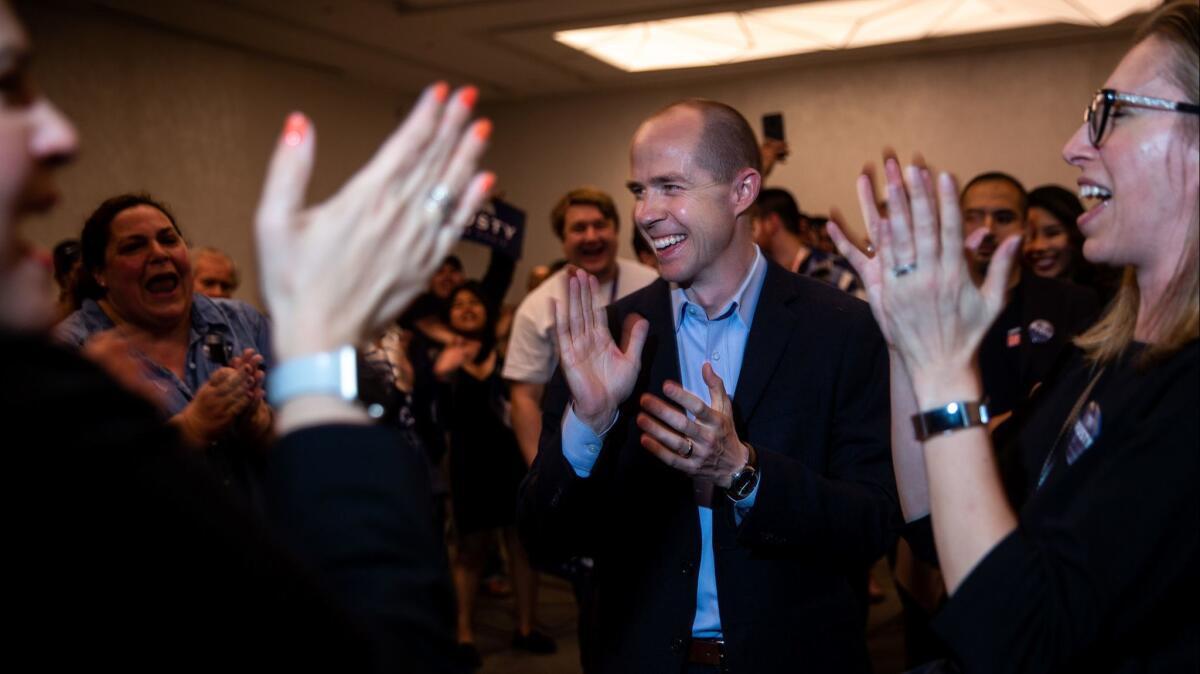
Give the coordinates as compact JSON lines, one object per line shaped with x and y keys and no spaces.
{"x":1084,"y":433}
{"x":1013,"y":340}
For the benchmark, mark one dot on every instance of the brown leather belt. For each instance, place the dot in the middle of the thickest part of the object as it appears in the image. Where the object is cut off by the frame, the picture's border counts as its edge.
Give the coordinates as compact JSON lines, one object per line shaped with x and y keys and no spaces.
{"x":709,"y":652}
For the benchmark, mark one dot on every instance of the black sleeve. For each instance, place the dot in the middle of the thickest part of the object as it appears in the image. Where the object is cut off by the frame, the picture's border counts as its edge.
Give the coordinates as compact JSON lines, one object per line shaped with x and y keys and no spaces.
{"x":354,"y":503}
{"x":555,"y":506}
{"x":919,"y":535}
{"x":125,"y":526}
{"x":427,"y":416}
{"x":497,"y":279}
{"x":559,"y":513}
{"x":850,"y":508}
{"x":1103,"y":559}
{"x":444,"y":403}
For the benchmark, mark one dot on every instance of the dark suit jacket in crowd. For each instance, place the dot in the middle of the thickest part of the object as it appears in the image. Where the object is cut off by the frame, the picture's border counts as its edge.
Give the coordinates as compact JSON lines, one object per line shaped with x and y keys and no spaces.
{"x":124,"y":552}
{"x":812,"y":398}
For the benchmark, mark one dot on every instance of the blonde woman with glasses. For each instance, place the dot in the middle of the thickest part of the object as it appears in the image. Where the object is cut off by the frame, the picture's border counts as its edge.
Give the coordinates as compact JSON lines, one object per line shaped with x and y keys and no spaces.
{"x":1096,"y":571}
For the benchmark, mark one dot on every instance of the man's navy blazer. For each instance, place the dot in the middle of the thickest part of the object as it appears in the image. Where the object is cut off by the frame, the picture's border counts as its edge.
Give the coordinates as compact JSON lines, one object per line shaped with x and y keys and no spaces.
{"x":812,"y":399}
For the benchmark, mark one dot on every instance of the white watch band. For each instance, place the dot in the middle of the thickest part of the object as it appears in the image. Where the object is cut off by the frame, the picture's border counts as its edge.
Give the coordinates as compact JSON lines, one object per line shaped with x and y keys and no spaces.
{"x":328,"y":373}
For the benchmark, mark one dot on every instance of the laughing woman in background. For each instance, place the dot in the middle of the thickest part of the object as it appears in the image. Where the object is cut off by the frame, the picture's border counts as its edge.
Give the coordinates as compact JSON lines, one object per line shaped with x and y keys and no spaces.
{"x":1053,"y":245}
{"x":200,"y":356}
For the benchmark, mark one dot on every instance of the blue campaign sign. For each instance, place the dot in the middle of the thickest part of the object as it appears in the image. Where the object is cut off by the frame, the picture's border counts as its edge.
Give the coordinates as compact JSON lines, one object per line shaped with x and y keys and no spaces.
{"x":502,"y":227}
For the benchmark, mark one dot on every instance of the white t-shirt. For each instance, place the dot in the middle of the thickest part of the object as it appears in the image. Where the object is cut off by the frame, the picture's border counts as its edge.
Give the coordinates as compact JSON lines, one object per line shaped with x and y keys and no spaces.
{"x":532,"y":353}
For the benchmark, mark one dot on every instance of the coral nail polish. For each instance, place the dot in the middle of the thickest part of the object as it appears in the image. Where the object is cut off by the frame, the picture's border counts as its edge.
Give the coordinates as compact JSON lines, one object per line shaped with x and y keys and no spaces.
{"x":469,"y":95}
{"x":483,"y":129}
{"x":487,"y":181}
{"x":295,"y":129}
{"x":440,"y":91}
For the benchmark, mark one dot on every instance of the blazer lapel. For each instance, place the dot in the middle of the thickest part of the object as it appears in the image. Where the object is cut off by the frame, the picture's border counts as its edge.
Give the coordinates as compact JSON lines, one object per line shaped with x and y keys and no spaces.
{"x":770,"y":332}
{"x":660,"y":362}
{"x":662,"y":351}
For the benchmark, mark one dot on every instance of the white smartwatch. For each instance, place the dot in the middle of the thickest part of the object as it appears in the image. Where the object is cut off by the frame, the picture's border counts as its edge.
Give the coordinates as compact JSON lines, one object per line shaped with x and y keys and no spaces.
{"x":333,"y":373}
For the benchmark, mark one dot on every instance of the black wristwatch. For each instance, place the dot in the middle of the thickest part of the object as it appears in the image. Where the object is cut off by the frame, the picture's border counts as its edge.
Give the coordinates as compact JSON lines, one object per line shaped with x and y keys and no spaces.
{"x":744,"y":481}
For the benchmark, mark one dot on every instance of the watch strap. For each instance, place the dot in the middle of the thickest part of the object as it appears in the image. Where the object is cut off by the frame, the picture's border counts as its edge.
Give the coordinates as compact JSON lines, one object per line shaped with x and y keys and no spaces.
{"x":328,"y":373}
{"x":744,"y":481}
{"x":948,"y":418}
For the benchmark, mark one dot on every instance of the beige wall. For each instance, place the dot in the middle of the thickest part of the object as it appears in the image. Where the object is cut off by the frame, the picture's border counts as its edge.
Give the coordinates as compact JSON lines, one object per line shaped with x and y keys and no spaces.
{"x":193,"y":122}
{"x":967,"y":112}
{"x":189,"y":121}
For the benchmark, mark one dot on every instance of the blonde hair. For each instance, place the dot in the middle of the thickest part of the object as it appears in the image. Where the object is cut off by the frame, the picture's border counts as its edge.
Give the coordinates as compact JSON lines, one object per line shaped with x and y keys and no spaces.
{"x":1175,"y":320}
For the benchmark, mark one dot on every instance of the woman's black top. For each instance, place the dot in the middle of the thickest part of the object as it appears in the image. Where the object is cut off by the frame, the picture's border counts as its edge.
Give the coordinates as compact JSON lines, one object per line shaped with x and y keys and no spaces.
{"x":1102,"y":573}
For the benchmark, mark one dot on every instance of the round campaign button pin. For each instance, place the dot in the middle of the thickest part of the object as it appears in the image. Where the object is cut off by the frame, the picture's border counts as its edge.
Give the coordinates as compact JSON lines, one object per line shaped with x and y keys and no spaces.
{"x":1041,"y":331}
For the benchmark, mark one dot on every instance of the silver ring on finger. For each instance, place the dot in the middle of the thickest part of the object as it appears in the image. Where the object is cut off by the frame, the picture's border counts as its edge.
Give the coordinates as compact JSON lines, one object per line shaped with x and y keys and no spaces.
{"x":904,"y":269}
{"x":690,"y":448}
{"x":437,"y":201}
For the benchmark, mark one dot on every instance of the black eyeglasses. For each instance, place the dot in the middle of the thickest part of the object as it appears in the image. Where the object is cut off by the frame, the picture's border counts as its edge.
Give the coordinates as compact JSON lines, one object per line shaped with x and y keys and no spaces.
{"x":1101,"y":107}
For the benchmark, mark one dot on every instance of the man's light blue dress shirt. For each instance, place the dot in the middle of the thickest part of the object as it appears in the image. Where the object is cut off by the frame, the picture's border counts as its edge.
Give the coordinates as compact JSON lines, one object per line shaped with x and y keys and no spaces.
{"x":720,"y":340}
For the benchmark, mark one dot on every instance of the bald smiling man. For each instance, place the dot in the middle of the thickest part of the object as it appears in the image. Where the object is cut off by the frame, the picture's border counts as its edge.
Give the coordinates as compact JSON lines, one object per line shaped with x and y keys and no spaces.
{"x":727,"y":465}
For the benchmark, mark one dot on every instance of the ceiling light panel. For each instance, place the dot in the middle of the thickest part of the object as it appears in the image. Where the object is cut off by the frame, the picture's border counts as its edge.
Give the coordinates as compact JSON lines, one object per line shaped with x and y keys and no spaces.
{"x":734,"y":37}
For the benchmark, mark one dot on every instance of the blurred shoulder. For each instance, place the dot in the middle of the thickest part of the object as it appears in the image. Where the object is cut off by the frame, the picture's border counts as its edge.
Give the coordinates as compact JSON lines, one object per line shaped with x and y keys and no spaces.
{"x":537,"y":302}
{"x":231,"y":307}
{"x":813,"y":295}
{"x":633,"y":276}
{"x":80,"y":324}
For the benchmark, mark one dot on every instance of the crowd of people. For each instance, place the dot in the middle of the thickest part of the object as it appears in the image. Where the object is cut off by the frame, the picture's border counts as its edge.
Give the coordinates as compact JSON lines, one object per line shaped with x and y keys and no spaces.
{"x":992,"y":387}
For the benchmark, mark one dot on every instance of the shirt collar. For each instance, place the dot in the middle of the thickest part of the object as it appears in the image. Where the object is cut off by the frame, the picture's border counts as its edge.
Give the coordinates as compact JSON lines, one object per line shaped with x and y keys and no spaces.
{"x":206,"y":312}
{"x":94,"y":317}
{"x":744,"y":301}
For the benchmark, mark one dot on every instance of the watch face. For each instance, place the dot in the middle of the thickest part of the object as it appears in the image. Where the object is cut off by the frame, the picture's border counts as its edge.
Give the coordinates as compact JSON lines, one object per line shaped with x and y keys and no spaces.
{"x":743,"y":483}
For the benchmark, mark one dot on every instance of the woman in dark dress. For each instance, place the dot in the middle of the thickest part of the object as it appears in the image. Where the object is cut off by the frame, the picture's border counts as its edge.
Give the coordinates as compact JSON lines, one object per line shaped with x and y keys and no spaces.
{"x":486,"y":466}
{"x":1096,"y":571}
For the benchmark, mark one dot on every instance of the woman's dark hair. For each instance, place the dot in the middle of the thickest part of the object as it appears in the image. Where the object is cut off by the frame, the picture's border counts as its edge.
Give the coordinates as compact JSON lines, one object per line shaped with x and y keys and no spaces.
{"x":1065,"y":207}
{"x":98,"y":228}
{"x":67,"y":269}
{"x":776,"y":201}
{"x":487,"y":334}
{"x":66,"y":256}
